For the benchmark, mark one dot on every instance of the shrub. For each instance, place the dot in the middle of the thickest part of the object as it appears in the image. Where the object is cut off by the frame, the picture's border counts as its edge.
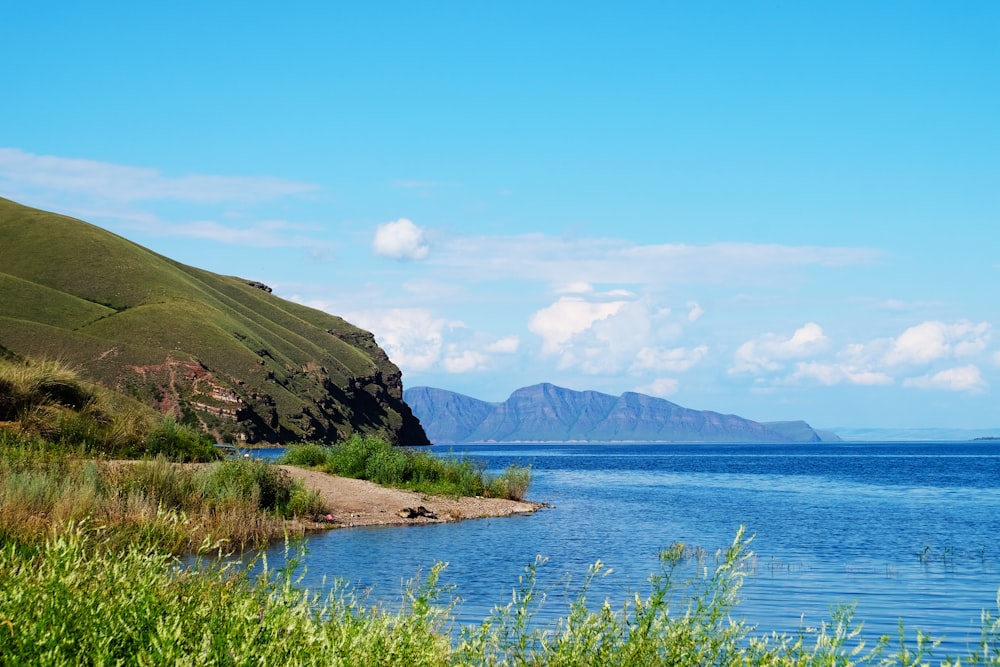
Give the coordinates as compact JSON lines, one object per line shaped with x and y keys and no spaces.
{"x":246,"y":479}
{"x":179,"y":442}
{"x":307,"y":456}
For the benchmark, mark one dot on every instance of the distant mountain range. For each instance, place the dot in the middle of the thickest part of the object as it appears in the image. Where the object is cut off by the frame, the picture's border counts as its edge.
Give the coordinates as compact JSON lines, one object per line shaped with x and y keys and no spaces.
{"x":547,"y":413}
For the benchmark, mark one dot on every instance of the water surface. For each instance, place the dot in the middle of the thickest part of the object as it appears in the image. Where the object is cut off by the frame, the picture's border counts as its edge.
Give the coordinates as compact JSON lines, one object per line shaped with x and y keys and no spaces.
{"x":902,"y":530}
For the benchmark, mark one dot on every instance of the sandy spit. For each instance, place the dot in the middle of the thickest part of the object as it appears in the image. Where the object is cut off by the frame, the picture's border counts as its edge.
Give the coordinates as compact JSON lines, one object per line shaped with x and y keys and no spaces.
{"x":356,"y":502}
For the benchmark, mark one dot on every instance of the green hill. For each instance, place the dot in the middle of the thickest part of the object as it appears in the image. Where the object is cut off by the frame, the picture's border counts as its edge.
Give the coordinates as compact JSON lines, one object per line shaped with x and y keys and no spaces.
{"x":220,"y":352}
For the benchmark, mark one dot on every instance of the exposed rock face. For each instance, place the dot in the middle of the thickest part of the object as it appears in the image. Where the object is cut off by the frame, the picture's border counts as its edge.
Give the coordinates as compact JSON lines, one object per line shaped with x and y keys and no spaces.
{"x":259,"y":285}
{"x":547,"y":413}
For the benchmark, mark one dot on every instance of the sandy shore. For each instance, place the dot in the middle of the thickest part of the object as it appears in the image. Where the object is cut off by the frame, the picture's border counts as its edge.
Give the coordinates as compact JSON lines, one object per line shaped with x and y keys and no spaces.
{"x":356,"y":502}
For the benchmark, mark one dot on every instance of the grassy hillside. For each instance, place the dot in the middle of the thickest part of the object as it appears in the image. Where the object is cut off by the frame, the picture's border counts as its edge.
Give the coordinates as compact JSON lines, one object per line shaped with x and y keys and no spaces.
{"x":220,"y":352}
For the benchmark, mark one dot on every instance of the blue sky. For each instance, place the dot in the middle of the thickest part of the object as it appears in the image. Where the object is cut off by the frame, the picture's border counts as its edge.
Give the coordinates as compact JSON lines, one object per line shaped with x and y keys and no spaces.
{"x":780,"y":210}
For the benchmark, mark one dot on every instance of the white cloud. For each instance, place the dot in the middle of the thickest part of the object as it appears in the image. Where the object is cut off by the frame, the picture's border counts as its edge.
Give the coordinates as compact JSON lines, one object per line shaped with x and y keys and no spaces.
{"x":661,"y":387}
{"x":123,"y":194}
{"x":695,"y":311}
{"x":965,"y":378}
{"x":573,"y":263}
{"x":265,"y":234}
{"x":770,"y":351}
{"x":832,"y":374}
{"x":930,"y":341}
{"x":122,"y":183}
{"x":569,"y":316}
{"x":506,"y":345}
{"x":464,"y":362}
{"x":412,"y":337}
{"x":400,"y":239}
{"x":578,"y":287}
{"x":599,"y":334}
{"x":674,"y":360}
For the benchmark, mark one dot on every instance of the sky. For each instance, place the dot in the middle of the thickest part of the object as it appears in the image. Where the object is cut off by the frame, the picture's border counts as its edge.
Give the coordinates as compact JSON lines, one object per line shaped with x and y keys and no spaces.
{"x":781,"y":210}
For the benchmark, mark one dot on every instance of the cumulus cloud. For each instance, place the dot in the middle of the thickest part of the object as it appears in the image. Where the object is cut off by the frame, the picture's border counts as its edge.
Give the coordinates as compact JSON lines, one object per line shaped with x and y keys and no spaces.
{"x":400,"y":239}
{"x":770,"y":351}
{"x":464,"y":362}
{"x":506,"y":345}
{"x":569,"y":316}
{"x":964,"y":378}
{"x":412,"y":337}
{"x":877,"y":362}
{"x":614,"y":332}
{"x":929,"y":341}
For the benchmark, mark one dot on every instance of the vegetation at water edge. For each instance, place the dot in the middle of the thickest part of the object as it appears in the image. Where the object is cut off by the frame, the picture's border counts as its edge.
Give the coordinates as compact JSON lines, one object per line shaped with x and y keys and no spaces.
{"x":69,"y":602}
{"x":231,"y":504}
{"x":368,"y":457}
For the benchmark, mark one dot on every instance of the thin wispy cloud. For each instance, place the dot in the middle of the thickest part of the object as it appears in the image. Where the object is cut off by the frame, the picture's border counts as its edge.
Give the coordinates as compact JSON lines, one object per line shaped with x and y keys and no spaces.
{"x":574,"y":262}
{"x":105,"y":181}
{"x":265,"y":234}
{"x":127,"y":197}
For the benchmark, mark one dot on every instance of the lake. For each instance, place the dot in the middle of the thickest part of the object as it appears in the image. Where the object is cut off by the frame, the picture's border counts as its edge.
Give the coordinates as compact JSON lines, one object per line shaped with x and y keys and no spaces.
{"x":902,"y":530}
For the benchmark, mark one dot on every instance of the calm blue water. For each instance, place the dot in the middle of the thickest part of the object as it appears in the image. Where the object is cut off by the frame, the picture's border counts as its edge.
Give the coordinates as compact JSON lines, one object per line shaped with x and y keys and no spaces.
{"x":903,"y":530}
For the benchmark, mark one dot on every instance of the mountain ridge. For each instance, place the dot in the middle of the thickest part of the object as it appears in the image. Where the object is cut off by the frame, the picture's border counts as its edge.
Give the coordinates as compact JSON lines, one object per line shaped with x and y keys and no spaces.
{"x":545,"y":412}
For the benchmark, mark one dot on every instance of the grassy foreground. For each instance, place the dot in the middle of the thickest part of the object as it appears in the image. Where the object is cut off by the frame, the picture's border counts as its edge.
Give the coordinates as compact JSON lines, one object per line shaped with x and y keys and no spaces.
{"x":71,"y":602}
{"x":232,"y":504}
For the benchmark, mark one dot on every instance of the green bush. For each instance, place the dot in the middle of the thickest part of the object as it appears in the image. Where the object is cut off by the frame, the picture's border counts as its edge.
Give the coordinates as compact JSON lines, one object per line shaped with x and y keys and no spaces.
{"x":178,"y":442}
{"x":246,"y":479}
{"x":307,"y":456}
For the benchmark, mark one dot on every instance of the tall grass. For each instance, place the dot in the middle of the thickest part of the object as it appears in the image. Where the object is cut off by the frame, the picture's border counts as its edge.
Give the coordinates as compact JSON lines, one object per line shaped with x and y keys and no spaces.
{"x":47,"y":400}
{"x":66,"y":603}
{"x":236,"y":502}
{"x":366,"y":457}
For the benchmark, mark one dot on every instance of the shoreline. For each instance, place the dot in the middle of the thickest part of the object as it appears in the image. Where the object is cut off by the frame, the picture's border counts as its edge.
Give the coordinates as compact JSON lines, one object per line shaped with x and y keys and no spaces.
{"x":357,"y":502}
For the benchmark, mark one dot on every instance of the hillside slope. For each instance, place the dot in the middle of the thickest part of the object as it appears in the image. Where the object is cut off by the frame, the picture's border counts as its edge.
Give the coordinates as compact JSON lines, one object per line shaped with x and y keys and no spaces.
{"x":219,"y":351}
{"x":547,"y":413}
